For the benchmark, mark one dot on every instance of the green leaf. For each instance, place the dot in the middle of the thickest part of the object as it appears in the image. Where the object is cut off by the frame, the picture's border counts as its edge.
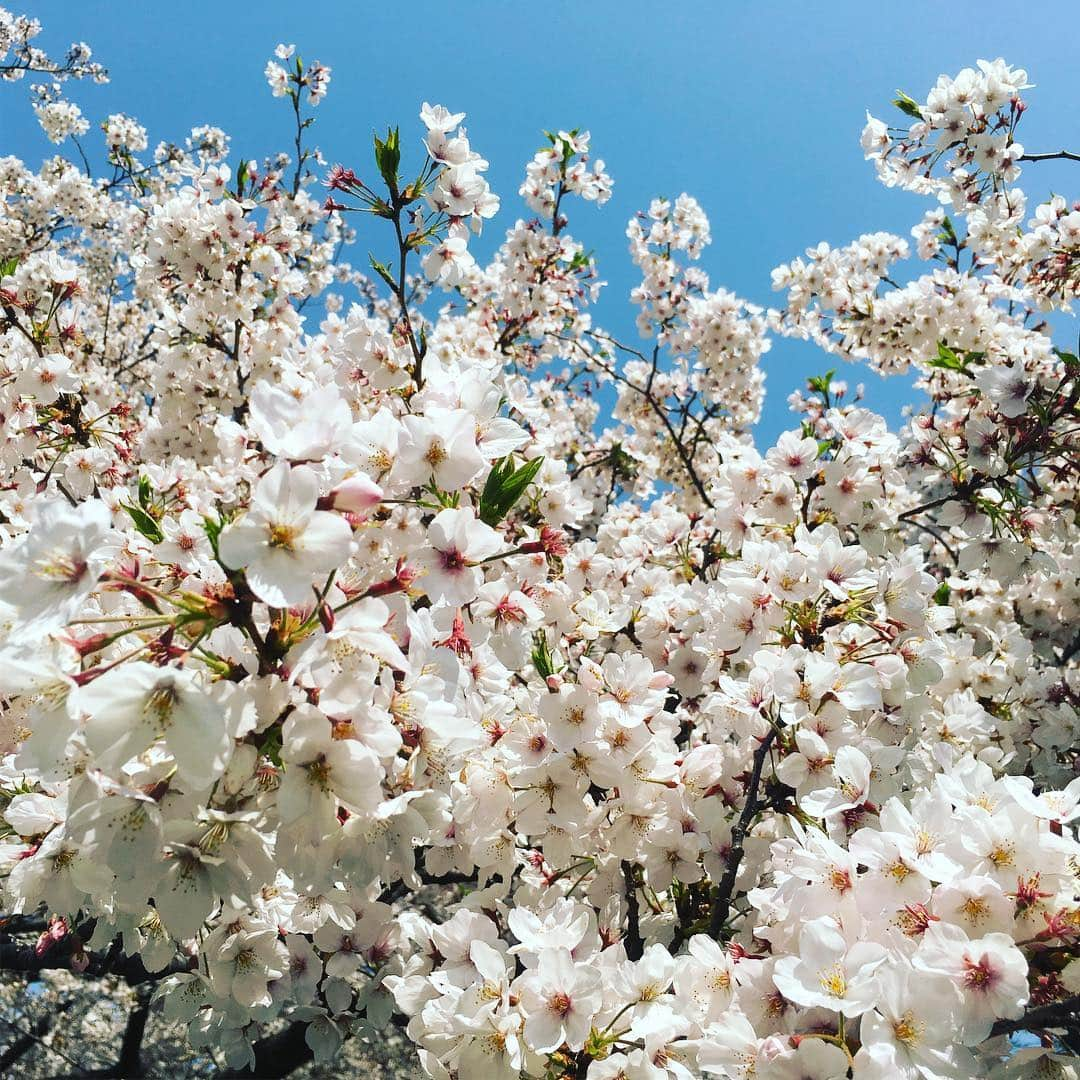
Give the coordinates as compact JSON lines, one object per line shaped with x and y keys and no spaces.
{"x":271,"y":746}
{"x":9,"y":266}
{"x":383,"y":271}
{"x":582,"y":260}
{"x":821,"y":383}
{"x":505,"y":485}
{"x":907,"y":105}
{"x":1070,"y":360}
{"x":213,"y":528}
{"x":542,"y":659}
{"x":388,"y":157}
{"x":941,"y":594}
{"x":145,"y":493}
{"x":145,"y":523}
{"x":947,"y":360}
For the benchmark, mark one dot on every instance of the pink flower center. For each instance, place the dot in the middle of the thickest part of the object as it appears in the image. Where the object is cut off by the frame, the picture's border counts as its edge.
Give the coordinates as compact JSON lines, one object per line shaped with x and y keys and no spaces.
{"x":452,"y":561}
{"x":979,"y":976}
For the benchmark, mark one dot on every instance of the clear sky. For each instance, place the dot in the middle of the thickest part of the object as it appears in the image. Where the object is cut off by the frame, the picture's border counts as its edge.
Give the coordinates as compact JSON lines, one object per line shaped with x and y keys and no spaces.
{"x":754,"y":108}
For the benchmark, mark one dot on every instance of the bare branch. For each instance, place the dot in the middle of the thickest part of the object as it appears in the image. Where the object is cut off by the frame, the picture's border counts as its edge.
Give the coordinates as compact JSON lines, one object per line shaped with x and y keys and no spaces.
{"x":1065,"y":155}
{"x":1058,"y":1014}
{"x":726,"y":888}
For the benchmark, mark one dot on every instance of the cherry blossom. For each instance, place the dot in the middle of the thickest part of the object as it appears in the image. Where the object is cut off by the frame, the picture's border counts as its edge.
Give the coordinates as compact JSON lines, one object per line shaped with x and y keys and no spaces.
{"x":445,"y":660}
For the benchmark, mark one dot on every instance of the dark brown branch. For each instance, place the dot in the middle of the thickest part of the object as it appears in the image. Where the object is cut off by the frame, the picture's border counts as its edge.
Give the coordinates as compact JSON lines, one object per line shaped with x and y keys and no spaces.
{"x":1056,"y":1015}
{"x":130,"y":1062}
{"x":656,"y":406}
{"x":22,"y":924}
{"x":1065,"y":155}
{"x":1070,"y":652}
{"x":632,"y":942}
{"x":25,"y":959}
{"x":930,"y":530}
{"x":726,"y":888}
{"x":29,"y":1039}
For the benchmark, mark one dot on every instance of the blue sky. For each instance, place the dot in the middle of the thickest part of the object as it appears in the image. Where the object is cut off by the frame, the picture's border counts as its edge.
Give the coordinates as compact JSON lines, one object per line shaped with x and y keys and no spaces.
{"x":754,"y":108}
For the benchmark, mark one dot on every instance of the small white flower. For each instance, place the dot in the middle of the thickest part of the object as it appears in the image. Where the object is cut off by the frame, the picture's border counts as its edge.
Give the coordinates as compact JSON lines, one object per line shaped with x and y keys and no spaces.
{"x":283,"y":542}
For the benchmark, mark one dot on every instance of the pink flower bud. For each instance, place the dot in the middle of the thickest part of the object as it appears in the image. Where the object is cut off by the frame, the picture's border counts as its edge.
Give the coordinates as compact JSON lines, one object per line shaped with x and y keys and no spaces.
{"x":356,"y":495}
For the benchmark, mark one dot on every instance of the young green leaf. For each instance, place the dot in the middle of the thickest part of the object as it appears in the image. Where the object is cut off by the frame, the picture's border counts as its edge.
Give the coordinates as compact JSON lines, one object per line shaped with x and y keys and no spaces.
{"x":388,"y":157}
{"x":947,"y":360}
{"x":145,"y":523}
{"x":505,"y":485}
{"x":907,"y":105}
{"x":542,"y":659}
{"x":383,"y":271}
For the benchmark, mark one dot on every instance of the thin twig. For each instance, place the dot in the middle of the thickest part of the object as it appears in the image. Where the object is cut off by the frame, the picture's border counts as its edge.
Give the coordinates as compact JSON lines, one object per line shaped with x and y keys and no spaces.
{"x":1066,"y":155}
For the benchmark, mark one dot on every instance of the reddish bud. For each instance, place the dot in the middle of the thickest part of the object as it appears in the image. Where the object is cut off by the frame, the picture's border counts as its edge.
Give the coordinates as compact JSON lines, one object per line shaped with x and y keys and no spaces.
{"x":340,"y":179}
{"x":402,"y":581}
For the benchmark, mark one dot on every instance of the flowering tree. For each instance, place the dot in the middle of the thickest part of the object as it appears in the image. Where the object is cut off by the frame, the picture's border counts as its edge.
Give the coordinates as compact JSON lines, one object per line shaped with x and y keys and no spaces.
{"x":366,"y":672}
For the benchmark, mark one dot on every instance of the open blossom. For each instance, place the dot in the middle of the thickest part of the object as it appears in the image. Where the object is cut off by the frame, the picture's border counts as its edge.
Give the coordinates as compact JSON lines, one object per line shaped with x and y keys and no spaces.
{"x":458,"y":543}
{"x":185,"y":543}
{"x":559,"y":999}
{"x":441,"y":446}
{"x":829,"y":973}
{"x":46,"y":577}
{"x":989,"y":972}
{"x":907,"y":1035}
{"x":245,"y":963}
{"x":322,"y":769}
{"x":449,"y":262}
{"x":130,"y":707}
{"x":46,"y":378}
{"x":299,"y":426}
{"x":283,"y":542}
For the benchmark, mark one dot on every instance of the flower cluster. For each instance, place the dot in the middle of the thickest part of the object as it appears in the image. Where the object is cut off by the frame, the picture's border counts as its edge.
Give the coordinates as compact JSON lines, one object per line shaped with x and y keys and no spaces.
{"x":360,"y":670}
{"x":452,"y":185}
{"x":564,"y":168}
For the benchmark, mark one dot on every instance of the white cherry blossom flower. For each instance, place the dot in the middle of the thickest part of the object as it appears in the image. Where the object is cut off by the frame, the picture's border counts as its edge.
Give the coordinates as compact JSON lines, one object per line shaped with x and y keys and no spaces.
{"x":283,"y":543}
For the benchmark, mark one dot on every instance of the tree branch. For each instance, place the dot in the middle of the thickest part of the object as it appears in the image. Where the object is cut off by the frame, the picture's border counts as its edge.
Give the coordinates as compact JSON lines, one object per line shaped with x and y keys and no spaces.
{"x":130,"y":1063}
{"x":1059,"y":155}
{"x":28,"y":1039}
{"x":633,"y":942}
{"x":1055,"y":1015}
{"x":724,"y":891}
{"x":25,"y":959}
